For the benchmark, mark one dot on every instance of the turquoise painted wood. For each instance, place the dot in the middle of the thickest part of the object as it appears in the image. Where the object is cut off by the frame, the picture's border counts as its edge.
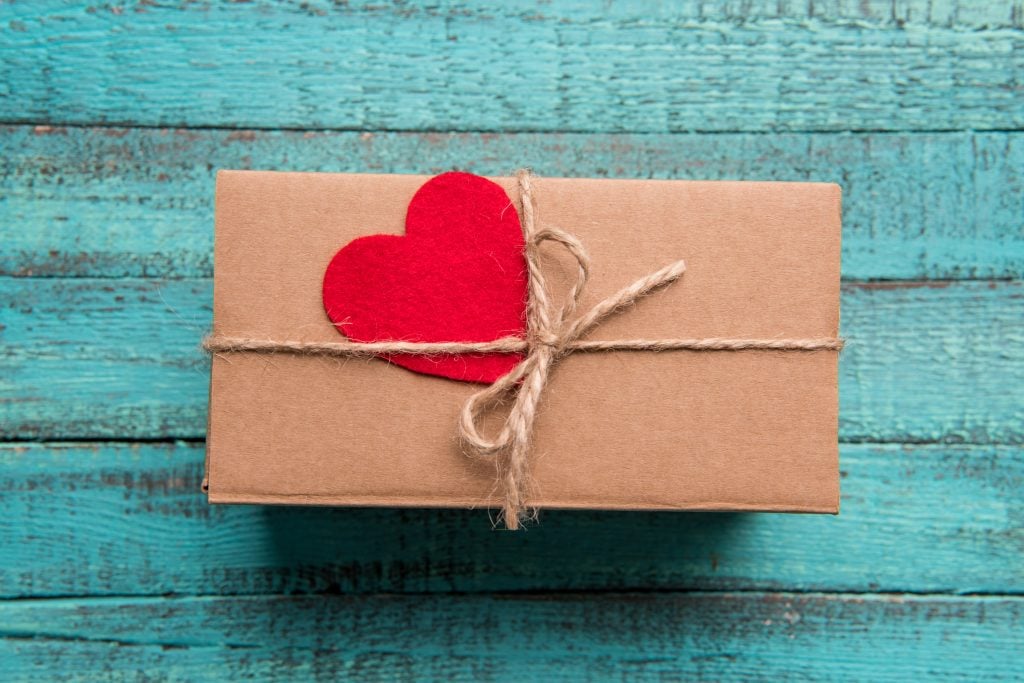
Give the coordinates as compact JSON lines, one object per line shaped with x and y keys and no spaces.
{"x":497,"y":66}
{"x":916,"y":205}
{"x":119,"y":358}
{"x":128,"y":519}
{"x":114,"y":118}
{"x":669,"y":636}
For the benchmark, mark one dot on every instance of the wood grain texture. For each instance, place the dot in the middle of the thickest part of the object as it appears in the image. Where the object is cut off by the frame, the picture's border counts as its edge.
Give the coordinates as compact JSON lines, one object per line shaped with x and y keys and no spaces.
{"x":105,"y":358}
{"x":574,"y":66}
{"x":113,"y":567}
{"x":99,"y":202}
{"x":724,"y":637}
{"x":120,"y":519}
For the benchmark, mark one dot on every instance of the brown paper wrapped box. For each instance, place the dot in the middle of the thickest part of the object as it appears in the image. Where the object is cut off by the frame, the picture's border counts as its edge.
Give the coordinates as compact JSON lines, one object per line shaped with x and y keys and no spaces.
{"x":689,"y":430}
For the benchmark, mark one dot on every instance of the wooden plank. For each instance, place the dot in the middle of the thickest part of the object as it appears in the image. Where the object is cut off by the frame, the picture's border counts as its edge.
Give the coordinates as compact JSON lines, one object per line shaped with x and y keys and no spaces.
{"x":110,"y":358}
{"x":120,"y":519}
{"x":915,"y":205}
{"x":906,"y":14}
{"x":563,"y":66}
{"x":731,"y":637}
{"x":120,"y":359}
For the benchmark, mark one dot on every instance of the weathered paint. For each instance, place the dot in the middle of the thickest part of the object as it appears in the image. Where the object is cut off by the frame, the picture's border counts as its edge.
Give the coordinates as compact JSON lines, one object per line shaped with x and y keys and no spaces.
{"x":914,"y":107}
{"x":110,"y":202}
{"x":488,"y":67}
{"x":719,"y":637}
{"x":115,"y":358}
{"x":108,"y":519}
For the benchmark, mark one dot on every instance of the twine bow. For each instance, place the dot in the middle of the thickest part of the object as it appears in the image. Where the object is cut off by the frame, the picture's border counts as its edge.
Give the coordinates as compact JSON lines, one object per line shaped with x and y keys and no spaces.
{"x":552,"y":333}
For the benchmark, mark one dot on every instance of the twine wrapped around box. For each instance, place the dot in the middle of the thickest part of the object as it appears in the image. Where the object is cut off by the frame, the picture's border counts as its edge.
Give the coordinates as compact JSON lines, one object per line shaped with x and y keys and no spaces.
{"x":552,"y":333}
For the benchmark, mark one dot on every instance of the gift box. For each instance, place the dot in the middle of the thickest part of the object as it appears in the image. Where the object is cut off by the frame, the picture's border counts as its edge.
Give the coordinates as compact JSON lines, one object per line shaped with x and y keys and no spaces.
{"x":739,"y":414}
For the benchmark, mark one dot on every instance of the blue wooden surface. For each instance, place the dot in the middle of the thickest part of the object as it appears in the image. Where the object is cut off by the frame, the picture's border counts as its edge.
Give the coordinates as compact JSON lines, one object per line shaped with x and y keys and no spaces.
{"x":114,"y":119}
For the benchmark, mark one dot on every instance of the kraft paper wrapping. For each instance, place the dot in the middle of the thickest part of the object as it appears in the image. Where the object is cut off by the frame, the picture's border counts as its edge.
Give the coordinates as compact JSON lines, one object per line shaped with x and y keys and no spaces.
{"x":748,"y":430}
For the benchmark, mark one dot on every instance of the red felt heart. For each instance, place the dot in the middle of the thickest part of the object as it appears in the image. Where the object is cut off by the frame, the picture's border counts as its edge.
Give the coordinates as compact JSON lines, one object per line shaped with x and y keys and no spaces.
{"x":458,"y":274}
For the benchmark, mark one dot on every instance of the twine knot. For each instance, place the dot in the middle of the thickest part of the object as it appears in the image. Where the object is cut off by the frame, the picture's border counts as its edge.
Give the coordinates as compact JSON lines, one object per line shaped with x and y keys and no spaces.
{"x":551,"y":331}
{"x":545,"y":339}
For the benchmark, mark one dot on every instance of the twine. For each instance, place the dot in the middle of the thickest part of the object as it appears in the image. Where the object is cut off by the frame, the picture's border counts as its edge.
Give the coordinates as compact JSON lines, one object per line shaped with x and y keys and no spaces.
{"x":552,"y":333}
